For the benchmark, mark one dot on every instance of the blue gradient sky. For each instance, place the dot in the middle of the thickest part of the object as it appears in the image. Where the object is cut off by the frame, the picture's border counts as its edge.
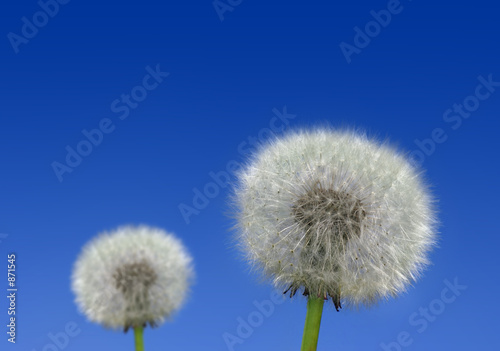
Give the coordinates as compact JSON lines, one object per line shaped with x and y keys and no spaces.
{"x":226,"y":81}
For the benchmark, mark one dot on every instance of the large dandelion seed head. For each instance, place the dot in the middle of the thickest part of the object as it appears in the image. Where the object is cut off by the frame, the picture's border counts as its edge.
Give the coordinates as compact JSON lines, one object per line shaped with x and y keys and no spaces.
{"x":335,"y":214}
{"x":132,"y":276}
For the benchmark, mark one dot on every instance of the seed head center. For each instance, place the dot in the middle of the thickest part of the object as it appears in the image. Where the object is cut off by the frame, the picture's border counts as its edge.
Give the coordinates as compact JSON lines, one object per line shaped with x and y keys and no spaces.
{"x":132,"y":277}
{"x":322,"y":210}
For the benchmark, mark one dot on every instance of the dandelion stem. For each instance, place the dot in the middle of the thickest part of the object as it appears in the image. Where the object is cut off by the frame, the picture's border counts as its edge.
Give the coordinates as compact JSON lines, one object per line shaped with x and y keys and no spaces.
{"x":313,"y":321}
{"x":139,"y":342}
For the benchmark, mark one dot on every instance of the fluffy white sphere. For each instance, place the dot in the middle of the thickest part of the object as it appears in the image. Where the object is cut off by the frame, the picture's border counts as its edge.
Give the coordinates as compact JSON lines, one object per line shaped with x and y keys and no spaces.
{"x":132,"y":276}
{"x":335,"y":214}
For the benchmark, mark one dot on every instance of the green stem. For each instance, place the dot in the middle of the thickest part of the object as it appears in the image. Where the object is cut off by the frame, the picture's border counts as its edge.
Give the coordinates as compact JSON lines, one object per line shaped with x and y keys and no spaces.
{"x":139,"y":342}
{"x":313,"y":321}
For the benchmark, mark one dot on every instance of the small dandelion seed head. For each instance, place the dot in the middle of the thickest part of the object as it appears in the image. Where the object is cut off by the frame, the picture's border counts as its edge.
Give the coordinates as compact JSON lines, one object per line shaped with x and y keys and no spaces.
{"x":334,"y":214}
{"x":132,"y":276}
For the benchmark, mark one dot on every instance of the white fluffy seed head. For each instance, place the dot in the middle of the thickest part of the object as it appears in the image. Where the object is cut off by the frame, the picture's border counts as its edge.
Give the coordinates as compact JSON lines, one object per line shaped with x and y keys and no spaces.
{"x":132,"y":276}
{"x":335,"y":214}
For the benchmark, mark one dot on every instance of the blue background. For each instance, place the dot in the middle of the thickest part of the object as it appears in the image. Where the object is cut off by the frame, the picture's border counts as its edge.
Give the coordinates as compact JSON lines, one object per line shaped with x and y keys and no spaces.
{"x":226,"y":77}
